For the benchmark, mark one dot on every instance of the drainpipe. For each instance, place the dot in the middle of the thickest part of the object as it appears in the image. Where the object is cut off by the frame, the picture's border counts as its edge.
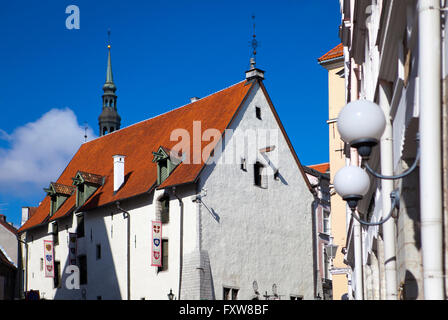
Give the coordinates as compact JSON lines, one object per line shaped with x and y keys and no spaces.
{"x":430,"y":137}
{"x":181,"y":239}
{"x":127,"y":216}
{"x":26,"y":262}
{"x":387,"y":186}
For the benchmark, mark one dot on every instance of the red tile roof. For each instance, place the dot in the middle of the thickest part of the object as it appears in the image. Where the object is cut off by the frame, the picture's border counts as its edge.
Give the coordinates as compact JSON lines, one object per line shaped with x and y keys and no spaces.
{"x":336,"y":52}
{"x":63,"y":189}
{"x":214,"y":111}
{"x":322,"y":167}
{"x":137,"y":142}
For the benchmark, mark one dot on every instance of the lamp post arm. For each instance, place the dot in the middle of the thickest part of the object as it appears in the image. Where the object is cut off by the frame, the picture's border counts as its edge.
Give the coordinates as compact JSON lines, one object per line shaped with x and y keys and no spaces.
{"x":395,"y":200}
{"x":399,"y":176}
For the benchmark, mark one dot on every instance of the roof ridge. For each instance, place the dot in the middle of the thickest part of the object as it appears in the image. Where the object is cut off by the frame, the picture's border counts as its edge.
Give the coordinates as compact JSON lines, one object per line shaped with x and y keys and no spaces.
{"x":134,"y":124}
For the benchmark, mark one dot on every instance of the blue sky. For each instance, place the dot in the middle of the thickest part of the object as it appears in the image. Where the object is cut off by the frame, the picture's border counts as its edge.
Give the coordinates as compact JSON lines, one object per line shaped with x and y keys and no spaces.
{"x":163,"y":53}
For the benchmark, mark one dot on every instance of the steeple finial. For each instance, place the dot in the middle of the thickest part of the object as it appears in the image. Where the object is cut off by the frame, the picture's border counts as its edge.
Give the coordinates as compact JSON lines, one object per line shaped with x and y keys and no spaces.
{"x":254,"y":44}
{"x":109,"y":76}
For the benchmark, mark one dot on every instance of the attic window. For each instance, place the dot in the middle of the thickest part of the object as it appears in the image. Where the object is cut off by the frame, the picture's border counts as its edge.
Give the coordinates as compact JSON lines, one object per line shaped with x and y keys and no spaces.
{"x":258,"y":112}
{"x":58,"y":193}
{"x":86,"y":184}
{"x":165,"y":165}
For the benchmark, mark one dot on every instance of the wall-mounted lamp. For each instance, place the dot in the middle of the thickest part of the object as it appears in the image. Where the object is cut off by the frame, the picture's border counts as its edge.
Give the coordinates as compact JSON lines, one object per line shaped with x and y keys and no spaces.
{"x":361,"y":124}
{"x":351,"y":183}
{"x":170,"y":295}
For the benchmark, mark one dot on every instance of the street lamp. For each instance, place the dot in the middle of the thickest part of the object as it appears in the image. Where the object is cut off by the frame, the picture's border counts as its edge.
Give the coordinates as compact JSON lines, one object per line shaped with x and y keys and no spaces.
{"x":361,"y":124}
{"x":351,"y":183}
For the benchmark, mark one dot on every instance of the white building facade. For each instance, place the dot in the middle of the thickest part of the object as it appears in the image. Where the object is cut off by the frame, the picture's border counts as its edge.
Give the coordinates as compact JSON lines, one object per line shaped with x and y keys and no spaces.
{"x":395,"y":55}
{"x":239,"y":229}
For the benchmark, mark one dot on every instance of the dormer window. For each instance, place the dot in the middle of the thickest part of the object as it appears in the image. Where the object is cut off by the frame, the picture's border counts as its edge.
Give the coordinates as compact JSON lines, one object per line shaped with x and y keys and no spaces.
{"x":58,"y":193}
{"x":165,"y":164}
{"x":86,"y":184}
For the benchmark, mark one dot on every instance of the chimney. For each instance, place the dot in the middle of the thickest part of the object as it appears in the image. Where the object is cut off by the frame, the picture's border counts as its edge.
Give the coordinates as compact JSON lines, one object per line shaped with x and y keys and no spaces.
{"x":2,"y":217}
{"x":194,"y":99}
{"x":118,"y":171}
{"x":25,"y":214}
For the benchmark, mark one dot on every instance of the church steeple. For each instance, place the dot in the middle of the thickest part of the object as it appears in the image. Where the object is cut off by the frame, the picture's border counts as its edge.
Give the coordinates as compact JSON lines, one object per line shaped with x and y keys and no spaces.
{"x":109,"y":119}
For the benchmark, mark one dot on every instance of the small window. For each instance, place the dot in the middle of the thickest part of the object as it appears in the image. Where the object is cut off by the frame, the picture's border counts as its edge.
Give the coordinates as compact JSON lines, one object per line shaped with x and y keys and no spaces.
{"x":82,"y":260}
{"x":99,"y":298}
{"x":258,"y":112}
{"x":98,"y":251}
{"x":165,"y":213}
{"x":259,"y":178}
{"x":292,"y":297}
{"x":41,"y":264}
{"x":57,"y":274}
{"x":164,"y":266}
{"x":80,"y":226}
{"x":326,"y":222}
{"x":55,"y":233}
{"x":230,"y":293}
{"x":226,"y":293}
{"x":235,"y":294}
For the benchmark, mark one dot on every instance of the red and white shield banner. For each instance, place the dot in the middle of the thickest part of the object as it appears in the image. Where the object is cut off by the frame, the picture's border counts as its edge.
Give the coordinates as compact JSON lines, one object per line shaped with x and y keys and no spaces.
{"x":156,"y":251}
{"x":49,"y":258}
{"x":72,"y":239}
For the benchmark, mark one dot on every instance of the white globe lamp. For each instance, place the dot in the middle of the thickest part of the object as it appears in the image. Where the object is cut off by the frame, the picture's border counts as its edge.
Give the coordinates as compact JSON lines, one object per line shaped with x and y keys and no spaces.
{"x":352,"y":184}
{"x":361,"y":124}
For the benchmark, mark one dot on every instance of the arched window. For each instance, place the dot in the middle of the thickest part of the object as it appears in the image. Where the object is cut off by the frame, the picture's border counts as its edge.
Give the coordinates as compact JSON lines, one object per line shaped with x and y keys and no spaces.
{"x":104,"y":131}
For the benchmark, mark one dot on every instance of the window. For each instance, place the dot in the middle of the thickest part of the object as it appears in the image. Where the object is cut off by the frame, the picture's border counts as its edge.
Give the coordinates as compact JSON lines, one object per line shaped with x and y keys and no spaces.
{"x":165,"y":213}
{"x":293,"y":297}
{"x":259,"y":179}
{"x":55,"y":233}
{"x":230,"y":293}
{"x":57,"y":274}
{"x":164,"y":266}
{"x":41,"y":264}
{"x":80,"y":226}
{"x":99,"y":298}
{"x":258,"y":112}
{"x":98,"y":251}
{"x":82,"y":260}
{"x":326,"y":222}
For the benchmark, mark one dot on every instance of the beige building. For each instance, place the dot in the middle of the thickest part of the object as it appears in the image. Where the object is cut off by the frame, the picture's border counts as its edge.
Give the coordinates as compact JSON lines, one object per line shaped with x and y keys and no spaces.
{"x":333,"y":61}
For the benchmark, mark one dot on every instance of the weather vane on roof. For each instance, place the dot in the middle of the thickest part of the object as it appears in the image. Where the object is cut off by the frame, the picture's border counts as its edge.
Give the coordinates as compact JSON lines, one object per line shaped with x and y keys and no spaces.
{"x":254,"y":45}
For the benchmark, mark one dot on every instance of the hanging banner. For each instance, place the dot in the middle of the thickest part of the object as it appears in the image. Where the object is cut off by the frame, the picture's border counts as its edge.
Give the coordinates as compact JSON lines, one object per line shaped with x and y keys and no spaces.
{"x":72,"y":241}
{"x":156,"y":251}
{"x":49,"y":258}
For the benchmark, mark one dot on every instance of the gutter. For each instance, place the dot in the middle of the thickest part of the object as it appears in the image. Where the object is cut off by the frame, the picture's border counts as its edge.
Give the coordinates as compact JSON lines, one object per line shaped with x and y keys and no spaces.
{"x":181,"y":240}
{"x":26,"y":262}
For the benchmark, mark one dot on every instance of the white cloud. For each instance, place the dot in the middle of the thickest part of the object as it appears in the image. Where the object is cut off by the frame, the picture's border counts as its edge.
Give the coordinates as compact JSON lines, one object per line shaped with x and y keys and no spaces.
{"x":39,"y":151}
